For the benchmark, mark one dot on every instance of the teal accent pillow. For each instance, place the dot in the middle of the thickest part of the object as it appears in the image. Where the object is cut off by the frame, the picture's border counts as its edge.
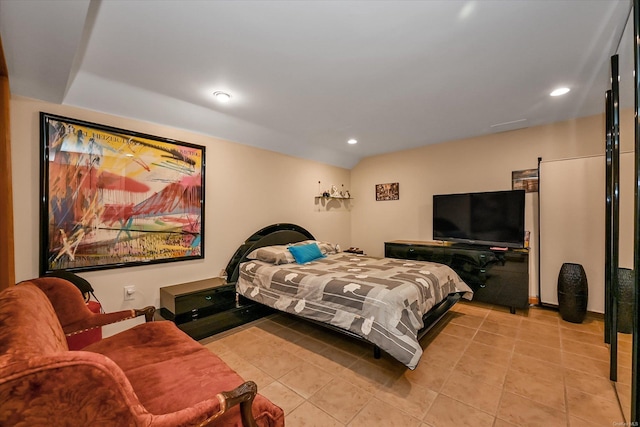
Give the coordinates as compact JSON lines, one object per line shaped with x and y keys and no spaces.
{"x":306,"y":253}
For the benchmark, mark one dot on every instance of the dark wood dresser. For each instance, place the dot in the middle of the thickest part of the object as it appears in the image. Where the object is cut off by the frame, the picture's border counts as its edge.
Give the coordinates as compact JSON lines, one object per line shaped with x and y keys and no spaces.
{"x":496,"y":275}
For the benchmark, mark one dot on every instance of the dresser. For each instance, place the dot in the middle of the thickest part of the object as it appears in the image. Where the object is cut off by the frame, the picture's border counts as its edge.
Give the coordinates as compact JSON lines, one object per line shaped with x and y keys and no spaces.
{"x":496,"y":275}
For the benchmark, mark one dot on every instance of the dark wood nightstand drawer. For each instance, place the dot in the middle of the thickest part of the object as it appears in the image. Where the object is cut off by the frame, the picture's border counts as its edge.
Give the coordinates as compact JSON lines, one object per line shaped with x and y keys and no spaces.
{"x":242,"y":312}
{"x":207,"y":307}
{"x":414,"y":252}
{"x":193,"y":300}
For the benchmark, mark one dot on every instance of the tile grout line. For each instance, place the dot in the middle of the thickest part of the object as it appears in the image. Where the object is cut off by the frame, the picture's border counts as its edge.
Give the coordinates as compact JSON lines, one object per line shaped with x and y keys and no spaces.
{"x":564,"y":378}
{"x":504,"y":382}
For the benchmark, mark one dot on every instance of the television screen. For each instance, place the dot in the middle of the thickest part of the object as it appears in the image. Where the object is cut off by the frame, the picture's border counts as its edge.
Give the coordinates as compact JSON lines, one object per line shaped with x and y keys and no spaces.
{"x":490,"y":218}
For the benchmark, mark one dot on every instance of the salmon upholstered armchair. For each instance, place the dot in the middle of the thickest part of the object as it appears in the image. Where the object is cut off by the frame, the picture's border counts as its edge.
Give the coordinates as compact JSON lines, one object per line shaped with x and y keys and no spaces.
{"x":73,"y":312}
{"x":150,"y":375}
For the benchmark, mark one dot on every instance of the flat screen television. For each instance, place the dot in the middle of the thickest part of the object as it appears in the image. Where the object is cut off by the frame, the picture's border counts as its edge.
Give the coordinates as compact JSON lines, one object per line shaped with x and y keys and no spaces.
{"x":493,"y":218}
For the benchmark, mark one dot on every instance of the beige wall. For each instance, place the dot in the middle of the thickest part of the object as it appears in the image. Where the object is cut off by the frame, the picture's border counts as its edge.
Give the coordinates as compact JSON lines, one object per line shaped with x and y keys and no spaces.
{"x":246,"y":189}
{"x":478,"y":164}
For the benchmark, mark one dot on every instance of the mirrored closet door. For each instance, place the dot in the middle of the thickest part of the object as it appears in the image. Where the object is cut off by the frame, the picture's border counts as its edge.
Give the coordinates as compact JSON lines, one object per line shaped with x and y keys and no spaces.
{"x":621,"y":182}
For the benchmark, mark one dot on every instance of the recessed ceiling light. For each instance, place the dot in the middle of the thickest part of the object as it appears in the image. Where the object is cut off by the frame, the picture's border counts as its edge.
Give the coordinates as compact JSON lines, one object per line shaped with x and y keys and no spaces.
{"x":222,"y":96}
{"x":560,"y":91}
{"x":352,"y":141}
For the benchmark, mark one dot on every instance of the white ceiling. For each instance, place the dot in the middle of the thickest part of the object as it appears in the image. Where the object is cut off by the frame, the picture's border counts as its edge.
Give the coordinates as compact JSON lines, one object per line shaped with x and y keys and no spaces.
{"x":305,"y":76}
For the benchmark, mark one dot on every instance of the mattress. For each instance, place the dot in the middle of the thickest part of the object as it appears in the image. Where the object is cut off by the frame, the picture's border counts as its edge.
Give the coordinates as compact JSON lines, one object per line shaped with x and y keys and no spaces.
{"x":382,"y":300}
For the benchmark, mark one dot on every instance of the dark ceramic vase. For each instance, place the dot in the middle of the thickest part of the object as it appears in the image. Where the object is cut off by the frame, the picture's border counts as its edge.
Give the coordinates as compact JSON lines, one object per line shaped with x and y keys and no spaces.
{"x":573,"y":292}
{"x":626,"y":281}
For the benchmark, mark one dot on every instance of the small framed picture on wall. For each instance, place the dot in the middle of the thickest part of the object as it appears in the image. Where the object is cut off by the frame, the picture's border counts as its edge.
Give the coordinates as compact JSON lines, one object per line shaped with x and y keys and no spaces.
{"x":389,"y":191}
{"x":525,"y":180}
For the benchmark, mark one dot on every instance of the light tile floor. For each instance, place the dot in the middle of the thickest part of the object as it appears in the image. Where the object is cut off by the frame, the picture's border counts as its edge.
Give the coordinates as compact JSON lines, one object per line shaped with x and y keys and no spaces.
{"x":482,"y":366}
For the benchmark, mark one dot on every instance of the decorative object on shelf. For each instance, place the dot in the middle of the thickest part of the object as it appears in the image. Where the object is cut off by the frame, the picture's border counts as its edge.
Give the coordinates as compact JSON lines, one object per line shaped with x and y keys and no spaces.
{"x":573,"y":292}
{"x":324,"y":193}
{"x":389,"y":191}
{"x":526,"y":180}
{"x":626,"y":295}
{"x":333,"y":193}
{"x":116,"y":198}
{"x":344,"y":193}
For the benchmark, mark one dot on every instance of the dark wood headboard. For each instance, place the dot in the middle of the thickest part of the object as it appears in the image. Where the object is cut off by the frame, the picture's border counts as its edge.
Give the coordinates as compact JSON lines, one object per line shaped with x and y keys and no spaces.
{"x":276,"y":234}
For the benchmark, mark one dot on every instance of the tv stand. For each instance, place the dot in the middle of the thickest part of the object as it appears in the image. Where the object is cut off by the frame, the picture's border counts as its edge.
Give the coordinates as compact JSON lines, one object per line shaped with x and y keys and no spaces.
{"x":496,"y":275}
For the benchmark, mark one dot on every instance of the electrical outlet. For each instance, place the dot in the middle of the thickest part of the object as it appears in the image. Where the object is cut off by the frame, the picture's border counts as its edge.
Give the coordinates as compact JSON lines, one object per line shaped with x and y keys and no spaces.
{"x":129,"y":292}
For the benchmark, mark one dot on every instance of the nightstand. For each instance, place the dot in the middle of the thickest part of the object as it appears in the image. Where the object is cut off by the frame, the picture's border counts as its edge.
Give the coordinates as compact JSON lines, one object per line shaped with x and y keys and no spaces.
{"x":207,"y":307}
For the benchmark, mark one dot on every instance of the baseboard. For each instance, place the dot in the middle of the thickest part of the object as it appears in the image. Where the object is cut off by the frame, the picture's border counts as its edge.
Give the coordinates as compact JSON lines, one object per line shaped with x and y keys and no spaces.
{"x":536,"y":301}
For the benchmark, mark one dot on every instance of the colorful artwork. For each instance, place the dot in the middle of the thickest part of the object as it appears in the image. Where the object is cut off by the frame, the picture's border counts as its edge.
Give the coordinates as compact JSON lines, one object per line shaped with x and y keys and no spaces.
{"x":115,"y":198}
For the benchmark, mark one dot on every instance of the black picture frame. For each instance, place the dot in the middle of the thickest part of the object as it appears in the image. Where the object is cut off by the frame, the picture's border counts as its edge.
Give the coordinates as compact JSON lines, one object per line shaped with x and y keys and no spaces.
{"x":111,"y":197}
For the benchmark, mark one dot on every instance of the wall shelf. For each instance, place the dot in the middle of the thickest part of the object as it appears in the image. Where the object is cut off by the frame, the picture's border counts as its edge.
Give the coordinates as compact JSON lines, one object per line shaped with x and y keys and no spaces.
{"x":332,"y":198}
{"x":333,"y":203}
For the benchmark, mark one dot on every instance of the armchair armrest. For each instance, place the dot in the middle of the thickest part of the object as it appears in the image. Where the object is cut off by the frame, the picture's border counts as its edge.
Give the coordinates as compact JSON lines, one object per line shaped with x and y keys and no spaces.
{"x":148,"y":313}
{"x":72,"y":311}
{"x":92,"y":320}
{"x":242,"y":395}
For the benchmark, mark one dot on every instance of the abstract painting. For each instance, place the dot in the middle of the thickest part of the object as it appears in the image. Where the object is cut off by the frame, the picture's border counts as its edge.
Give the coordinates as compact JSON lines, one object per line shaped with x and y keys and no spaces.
{"x":115,"y":198}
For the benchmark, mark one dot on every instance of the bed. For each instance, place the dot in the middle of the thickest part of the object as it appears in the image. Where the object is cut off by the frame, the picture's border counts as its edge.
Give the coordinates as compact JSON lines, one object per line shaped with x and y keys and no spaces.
{"x":390,"y":303}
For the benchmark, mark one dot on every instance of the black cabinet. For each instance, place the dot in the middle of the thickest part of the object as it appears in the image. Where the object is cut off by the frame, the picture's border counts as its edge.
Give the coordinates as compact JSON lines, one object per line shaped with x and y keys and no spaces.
{"x":207,"y":307}
{"x":496,"y":276}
